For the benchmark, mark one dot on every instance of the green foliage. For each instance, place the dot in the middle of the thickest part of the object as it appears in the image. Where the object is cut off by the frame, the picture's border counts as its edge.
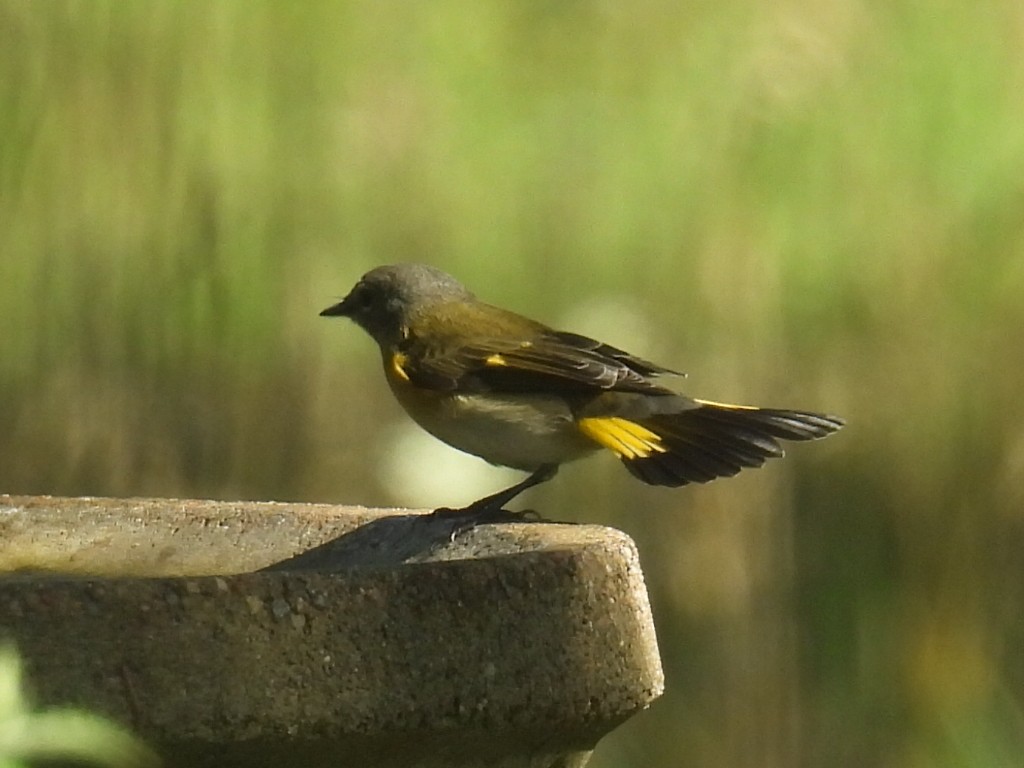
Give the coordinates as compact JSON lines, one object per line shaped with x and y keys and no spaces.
{"x":66,"y":735}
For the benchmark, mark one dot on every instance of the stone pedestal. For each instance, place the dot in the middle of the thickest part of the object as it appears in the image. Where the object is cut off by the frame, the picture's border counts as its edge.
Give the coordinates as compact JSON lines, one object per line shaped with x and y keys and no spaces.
{"x":259,"y":634}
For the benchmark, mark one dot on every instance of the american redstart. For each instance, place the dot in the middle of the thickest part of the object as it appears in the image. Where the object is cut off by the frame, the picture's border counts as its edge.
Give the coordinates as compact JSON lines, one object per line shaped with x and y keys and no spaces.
{"x":520,"y":394}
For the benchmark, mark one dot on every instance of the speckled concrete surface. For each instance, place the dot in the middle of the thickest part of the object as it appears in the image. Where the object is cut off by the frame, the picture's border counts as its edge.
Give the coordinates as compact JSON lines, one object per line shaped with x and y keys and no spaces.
{"x":385,"y":644}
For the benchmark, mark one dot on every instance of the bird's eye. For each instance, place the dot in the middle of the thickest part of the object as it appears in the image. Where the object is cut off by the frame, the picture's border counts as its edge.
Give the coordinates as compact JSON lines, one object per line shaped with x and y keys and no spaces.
{"x":363,"y":299}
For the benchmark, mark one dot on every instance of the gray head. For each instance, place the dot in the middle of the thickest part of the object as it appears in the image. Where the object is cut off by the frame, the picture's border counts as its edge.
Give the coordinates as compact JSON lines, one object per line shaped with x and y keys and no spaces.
{"x":386,"y":298}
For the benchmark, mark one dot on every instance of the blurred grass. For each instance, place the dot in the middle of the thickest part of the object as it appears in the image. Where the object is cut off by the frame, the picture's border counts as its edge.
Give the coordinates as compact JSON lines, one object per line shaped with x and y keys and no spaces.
{"x":818,"y":205}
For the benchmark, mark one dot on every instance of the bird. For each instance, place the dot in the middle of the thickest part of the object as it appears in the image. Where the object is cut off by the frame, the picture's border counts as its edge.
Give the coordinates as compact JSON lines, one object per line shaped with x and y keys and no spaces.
{"x":518,"y":393}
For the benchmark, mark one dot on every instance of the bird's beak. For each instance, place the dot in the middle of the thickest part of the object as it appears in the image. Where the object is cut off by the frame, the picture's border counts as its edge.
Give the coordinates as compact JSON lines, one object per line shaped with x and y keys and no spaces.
{"x":341,"y":309}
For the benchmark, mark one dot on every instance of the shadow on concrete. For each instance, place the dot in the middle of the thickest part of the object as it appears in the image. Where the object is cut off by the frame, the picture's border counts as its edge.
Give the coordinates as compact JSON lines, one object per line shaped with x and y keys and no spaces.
{"x":440,"y":535}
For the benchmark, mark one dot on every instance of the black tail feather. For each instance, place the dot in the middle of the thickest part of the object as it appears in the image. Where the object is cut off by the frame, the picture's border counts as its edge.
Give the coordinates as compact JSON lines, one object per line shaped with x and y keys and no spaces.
{"x":715,"y":440}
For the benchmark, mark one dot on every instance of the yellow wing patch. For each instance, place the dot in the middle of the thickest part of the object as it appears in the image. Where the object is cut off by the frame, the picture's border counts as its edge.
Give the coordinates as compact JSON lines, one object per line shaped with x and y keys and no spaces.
{"x":498,"y":360}
{"x":626,"y":438}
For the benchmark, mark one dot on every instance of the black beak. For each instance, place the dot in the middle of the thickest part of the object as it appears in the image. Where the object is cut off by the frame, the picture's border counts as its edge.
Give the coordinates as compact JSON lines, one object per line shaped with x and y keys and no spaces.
{"x":341,"y":309}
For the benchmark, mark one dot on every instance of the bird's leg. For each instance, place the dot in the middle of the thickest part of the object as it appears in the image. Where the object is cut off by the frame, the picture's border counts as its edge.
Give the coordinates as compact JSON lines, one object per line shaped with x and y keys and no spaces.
{"x":493,"y":505}
{"x":496,"y":501}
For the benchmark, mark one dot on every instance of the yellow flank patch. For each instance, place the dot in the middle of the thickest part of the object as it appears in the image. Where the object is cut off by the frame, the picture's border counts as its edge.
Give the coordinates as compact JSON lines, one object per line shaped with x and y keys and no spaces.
{"x":496,"y":359}
{"x":625,"y":438}
{"x":397,"y":361}
{"x":729,"y":406}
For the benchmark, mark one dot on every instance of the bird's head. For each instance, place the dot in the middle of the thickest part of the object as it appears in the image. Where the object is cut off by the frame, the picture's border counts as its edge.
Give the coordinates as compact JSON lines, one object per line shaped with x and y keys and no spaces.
{"x":387,"y":299}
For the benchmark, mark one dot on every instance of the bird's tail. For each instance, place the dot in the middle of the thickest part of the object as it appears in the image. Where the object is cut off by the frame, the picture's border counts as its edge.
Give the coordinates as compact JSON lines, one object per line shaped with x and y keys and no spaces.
{"x":705,"y":441}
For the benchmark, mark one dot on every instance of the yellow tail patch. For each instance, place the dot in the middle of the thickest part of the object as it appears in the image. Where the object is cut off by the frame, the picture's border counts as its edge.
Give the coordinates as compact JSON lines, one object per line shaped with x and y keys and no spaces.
{"x":728,"y":406}
{"x":625,"y":438}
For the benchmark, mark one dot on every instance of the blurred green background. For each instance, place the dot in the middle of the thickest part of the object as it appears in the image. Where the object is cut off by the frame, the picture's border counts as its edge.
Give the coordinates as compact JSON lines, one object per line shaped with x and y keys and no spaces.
{"x":806,"y":204}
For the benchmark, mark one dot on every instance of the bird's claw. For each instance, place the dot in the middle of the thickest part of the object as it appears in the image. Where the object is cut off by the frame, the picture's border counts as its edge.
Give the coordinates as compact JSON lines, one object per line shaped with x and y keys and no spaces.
{"x":465,"y":519}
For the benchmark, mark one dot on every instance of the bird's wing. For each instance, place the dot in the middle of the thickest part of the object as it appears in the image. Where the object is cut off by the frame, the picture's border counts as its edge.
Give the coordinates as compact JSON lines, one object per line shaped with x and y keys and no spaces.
{"x":549,"y":360}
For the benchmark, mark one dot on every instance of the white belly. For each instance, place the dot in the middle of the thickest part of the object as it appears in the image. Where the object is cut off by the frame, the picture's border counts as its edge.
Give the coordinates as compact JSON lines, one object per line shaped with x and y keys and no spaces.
{"x":520,"y":431}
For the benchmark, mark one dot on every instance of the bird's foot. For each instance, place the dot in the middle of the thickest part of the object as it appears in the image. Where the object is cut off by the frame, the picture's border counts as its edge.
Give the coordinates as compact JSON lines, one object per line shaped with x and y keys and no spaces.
{"x":467,"y":518}
{"x":480,"y":513}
